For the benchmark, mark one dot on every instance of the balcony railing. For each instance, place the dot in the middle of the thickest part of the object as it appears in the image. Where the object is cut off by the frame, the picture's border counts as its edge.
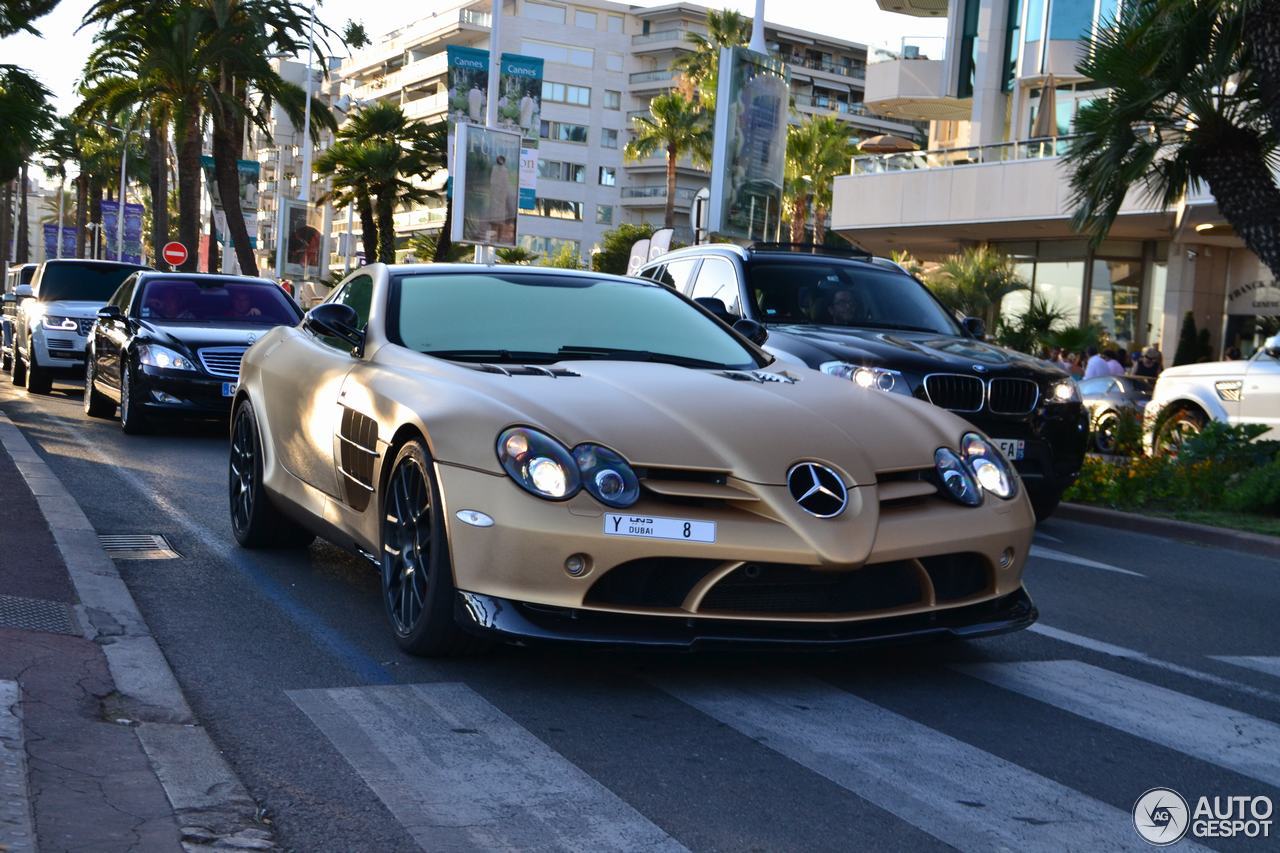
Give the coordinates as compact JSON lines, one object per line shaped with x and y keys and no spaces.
{"x":659,"y":36}
{"x":1003,"y":152}
{"x":683,"y":194}
{"x":653,"y":76}
{"x":858,"y":72}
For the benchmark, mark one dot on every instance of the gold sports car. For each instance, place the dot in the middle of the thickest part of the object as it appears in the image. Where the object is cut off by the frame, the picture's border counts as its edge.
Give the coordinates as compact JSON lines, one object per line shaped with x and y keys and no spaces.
{"x":540,"y":454}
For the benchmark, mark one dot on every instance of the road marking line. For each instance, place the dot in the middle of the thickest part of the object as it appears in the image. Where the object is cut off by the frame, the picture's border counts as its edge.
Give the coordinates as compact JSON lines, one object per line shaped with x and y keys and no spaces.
{"x":17,"y":834}
{"x":1267,"y":665}
{"x":1063,"y":557}
{"x":1040,"y":534}
{"x":1230,"y":739}
{"x":956,"y":792}
{"x":458,"y":774}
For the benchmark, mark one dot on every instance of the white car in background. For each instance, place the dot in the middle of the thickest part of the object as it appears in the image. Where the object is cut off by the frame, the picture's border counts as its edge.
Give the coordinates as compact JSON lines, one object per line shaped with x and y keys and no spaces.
{"x":1236,"y":392}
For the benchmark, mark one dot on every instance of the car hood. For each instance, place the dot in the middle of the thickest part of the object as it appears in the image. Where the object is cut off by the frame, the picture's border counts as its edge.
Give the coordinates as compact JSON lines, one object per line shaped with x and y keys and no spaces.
{"x":920,"y":351}
{"x":659,"y":415}
{"x":196,"y":335}
{"x":1209,"y":368}
{"x":72,"y":308}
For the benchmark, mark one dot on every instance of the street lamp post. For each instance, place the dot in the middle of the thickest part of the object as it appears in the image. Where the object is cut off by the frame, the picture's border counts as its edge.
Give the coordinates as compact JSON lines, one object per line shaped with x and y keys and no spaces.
{"x":757,"y":29}
{"x":484,"y":254}
{"x":306,"y":119}
{"x":124,"y":164}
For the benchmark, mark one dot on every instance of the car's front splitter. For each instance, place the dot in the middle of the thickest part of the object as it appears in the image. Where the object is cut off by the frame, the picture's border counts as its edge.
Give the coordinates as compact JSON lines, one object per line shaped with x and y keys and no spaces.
{"x":489,"y":615}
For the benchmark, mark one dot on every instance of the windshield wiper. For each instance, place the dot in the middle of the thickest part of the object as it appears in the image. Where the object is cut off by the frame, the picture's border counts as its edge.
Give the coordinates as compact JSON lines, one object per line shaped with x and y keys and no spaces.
{"x":612,"y":354}
{"x":493,"y":355}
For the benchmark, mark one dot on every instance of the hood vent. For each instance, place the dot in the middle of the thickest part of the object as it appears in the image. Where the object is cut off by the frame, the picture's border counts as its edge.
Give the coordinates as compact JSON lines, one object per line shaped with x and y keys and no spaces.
{"x":761,"y":376}
{"x":523,"y":370}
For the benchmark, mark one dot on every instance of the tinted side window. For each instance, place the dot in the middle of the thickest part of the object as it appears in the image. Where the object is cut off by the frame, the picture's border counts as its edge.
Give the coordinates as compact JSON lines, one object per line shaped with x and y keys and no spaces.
{"x":358,"y":293}
{"x":653,"y":273}
{"x":678,"y":273}
{"x":124,"y":295}
{"x":717,"y":279}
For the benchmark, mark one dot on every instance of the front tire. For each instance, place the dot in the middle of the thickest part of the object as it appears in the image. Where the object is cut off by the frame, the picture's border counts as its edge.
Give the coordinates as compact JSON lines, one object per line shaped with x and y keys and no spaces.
{"x":39,"y":380}
{"x":417,"y":578}
{"x":96,"y":405}
{"x":1104,"y":432}
{"x":133,"y":420}
{"x":255,"y":521}
{"x":19,"y":375}
{"x":1177,"y":429}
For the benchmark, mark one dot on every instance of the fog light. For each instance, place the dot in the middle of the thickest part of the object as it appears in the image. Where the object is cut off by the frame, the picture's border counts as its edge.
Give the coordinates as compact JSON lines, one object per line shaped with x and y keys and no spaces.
{"x":1006,"y":559}
{"x":577,"y":565}
{"x":161,"y":397}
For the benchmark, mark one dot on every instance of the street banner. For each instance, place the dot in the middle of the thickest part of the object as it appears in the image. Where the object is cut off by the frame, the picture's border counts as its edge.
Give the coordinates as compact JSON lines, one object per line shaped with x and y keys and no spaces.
{"x":51,"y":241}
{"x":132,"y":231}
{"x":302,"y":223}
{"x":487,"y":186}
{"x":749,"y":153}
{"x":248,"y":172}
{"x":639,"y":256}
{"x":660,"y":242}
{"x":468,"y":84}
{"x":520,"y":99}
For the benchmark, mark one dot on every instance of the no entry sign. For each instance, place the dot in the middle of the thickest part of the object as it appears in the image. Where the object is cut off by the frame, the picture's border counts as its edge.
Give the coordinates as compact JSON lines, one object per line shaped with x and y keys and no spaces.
{"x":174,"y":253}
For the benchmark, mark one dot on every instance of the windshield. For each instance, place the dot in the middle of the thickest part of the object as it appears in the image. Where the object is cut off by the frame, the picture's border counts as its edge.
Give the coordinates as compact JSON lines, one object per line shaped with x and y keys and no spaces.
{"x":832,"y":292}
{"x":509,"y":316}
{"x":218,"y":301}
{"x":83,"y":282}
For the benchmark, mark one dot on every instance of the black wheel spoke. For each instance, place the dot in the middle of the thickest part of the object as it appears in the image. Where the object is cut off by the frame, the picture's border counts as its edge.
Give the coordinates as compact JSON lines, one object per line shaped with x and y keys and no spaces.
{"x":406,"y":541}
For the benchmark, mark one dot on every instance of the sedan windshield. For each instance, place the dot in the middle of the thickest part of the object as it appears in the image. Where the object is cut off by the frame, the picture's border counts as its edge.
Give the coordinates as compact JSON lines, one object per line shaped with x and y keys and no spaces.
{"x":828,"y":292}
{"x":509,"y":316}
{"x":88,"y":282}
{"x":217,"y":301}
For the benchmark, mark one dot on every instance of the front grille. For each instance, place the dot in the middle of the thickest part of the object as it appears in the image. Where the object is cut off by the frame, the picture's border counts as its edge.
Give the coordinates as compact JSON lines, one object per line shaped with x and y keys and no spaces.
{"x":954,"y":391}
{"x":957,"y":576}
{"x":60,"y":343}
{"x":223,"y":361}
{"x":650,"y":582}
{"x":1013,"y":396}
{"x":86,"y":326}
{"x":780,"y":588}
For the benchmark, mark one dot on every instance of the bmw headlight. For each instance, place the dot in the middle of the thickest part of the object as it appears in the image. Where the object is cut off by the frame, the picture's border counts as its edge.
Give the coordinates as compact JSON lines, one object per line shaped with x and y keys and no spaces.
{"x":606,"y":476}
{"x":63,"y":324}
{"x":989,"y":466}
{"x":880,"y":378}
{"x":956,"y":477}
{"x":541,"y":465}
{"x":154,"y":355}
{"x":1064,"y":391}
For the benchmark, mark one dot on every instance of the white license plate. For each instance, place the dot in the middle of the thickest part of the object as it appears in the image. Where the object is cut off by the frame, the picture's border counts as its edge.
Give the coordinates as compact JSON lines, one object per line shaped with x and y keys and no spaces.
{"x":1012,"y":448}
{"x":650,"y":527}
{"x":229,"y":389}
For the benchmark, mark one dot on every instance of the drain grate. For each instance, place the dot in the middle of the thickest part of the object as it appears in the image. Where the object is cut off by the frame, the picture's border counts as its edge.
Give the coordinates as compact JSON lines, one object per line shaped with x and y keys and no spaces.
{"x":137,"y":546}
{"x":37,"y":614}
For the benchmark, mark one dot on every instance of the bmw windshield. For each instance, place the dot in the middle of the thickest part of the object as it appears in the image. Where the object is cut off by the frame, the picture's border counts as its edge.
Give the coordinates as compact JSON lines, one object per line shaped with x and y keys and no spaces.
{"x":513,"y":317}
{"x":824,"y":291}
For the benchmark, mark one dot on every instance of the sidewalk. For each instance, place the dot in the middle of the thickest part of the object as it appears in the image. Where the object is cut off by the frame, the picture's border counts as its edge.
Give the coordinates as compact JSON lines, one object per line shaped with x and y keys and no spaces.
{"x":98,"y":748}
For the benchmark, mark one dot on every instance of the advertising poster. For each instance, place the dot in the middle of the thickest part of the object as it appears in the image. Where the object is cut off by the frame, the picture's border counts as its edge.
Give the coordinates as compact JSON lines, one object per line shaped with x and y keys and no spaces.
{"x":520,"y":101}
{"x":302,"y":224}
{"x":132,"y":231}
{"x":248,"y":172}
{"x":487,"y":185}
{"x":68,"y":241}
{"x":750,"y":145}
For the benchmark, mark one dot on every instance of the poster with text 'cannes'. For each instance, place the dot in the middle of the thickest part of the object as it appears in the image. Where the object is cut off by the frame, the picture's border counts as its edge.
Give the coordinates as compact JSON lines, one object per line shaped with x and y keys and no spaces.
{"x":749,"y":157}
{"x":486,"y":187}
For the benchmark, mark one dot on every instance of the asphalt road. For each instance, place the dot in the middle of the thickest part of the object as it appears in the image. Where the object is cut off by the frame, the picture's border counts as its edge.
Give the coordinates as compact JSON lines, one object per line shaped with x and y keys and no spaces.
{"x":1155,"y":664}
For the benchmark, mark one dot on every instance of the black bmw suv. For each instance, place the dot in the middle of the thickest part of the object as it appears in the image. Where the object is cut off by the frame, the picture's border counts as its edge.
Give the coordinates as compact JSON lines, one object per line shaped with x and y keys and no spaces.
{"x":866,"y":319}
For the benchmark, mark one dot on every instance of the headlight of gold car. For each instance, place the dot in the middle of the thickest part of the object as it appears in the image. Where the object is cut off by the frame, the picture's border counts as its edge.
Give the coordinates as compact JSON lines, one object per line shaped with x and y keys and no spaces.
{"x":606,"y":476}
{"x":540,"y":464}
{"x":956,"y":477}
{"x":989,"y":466}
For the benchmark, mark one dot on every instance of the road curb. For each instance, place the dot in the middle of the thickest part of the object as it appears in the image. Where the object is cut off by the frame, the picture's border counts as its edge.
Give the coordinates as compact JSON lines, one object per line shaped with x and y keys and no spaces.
{"x":1171,"y":528}
{"x":210,"y":803}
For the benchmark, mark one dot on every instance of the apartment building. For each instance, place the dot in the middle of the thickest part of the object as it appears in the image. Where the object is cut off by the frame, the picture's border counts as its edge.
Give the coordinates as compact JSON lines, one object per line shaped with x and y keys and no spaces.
{"x":993,"y":175}
{"x":603,"y":62}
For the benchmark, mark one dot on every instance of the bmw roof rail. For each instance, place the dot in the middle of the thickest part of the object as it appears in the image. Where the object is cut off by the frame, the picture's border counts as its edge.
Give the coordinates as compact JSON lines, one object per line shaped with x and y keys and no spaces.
{"x":811,"y":248}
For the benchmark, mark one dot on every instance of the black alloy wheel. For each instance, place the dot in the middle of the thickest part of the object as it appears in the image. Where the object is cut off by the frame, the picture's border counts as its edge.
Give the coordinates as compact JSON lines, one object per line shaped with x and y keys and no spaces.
{"x":255,"y":520}
{"x":96,"y":404}
{"x":132,"y":418}
{"x":1177,"y":429}
{"x":1104,"y":432}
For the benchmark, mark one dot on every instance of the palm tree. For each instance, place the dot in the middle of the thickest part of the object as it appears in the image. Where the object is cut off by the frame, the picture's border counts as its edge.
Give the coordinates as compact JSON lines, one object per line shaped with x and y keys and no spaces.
{"x":975,"y":282}
{"x":25,"y":116}
{"x":516,"y":255}
{"x":677,"y":126}
{"x":345,"y":164}
{"x":16,"y":15}
{"x":433,"y":245}
{"x":699,"y":70}
{"x":818,"y":150}
{"x":1191,"y":98}
{"x":59,"y":149}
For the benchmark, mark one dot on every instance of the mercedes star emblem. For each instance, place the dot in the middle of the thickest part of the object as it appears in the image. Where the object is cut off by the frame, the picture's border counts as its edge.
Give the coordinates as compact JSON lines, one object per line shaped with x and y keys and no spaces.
{"x":819,"y":490}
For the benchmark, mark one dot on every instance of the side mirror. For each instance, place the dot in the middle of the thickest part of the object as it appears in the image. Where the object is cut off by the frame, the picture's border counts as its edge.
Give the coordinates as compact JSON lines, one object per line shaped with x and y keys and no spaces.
{"x":1271,"y":346}
{"x":23,"y":291}
{"x":336,"y":320}
{"x":110,"y":312}
{"x":752,"y":331}
{"x":975,"y":327}
{"x":717,"y":307}
{"x":9,"y":298}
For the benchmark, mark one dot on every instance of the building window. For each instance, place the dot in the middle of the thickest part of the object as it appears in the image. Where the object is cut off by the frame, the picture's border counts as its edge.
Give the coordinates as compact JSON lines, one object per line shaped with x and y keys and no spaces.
{"x":613,"y":61}
{"x":556,"y":208}
{"x":544,"y":12}
{"x":1114,"y":293}
{"x":608,"y":176}
{"x":608,"y":138}
{"x":583,"y":57}
{"x":561,"y":131}
{"x":559,"y":170}
{"x":1012,"y":44}
{"x":561,"y":93}
{"x":968,"y":54}
{"x":586,"y":20}
{"x":547,"y":247}
{"x":604,"y":214}
{"x":615,"y":23}
{"x":612,"y":100}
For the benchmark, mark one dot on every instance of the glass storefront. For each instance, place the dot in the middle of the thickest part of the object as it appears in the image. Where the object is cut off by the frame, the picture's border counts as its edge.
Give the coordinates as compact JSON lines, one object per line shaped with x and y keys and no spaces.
{"x":1061,"y":285}
{"x":1113,"y":299}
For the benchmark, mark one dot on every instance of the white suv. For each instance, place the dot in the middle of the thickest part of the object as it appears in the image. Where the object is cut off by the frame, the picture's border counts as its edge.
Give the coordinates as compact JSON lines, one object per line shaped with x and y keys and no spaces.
{"x":51,"y":328}
{"x":1236,"y":392}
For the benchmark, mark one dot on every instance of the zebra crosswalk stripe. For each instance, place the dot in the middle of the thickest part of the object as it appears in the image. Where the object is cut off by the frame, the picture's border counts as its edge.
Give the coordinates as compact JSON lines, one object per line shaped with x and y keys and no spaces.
{"x":458,"y":774}
{"x":1230,"y":739}
{"x":956,"y":792}
{"x":1267,"y":665}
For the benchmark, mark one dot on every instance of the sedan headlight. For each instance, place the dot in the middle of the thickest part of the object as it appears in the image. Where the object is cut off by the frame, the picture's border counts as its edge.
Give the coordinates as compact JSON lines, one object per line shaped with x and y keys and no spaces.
{"x":537,"y":462}
{"x":956,"y":477}
{"x":606,"y":476}
{"x":989,"y":466}
{"x":154,"y":355}
{"x":63,"y":324}
{"x":880,"y":378}
{"x":1064,"y":391}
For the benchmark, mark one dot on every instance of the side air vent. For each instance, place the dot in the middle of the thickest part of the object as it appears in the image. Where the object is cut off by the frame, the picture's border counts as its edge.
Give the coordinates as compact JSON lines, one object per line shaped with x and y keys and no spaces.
{"x":358,"y":440}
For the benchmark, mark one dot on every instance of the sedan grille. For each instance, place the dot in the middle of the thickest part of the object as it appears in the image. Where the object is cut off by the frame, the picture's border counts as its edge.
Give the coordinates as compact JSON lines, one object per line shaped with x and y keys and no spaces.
{"x":1013,"y":396}
{"x":86,"y":326}
{"x":954,"y":391}
{"x":223,"y":361}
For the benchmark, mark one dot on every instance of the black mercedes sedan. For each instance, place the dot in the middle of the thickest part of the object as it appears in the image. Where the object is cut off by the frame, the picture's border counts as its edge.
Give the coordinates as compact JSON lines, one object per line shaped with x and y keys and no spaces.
{"x":867,"y":320}
{"x":168,"y":345}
